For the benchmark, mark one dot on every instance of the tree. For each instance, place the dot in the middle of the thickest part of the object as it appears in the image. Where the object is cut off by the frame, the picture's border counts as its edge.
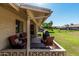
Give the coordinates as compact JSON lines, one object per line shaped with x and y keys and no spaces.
{"x":50,"y":24}
{"x":47,"y":25}
{"x":67,"y":26}
{"x":71,"y":24}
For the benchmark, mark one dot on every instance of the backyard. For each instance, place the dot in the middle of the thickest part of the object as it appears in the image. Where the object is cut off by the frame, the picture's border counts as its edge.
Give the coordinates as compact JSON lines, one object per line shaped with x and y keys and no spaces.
{"x":69,"y":40}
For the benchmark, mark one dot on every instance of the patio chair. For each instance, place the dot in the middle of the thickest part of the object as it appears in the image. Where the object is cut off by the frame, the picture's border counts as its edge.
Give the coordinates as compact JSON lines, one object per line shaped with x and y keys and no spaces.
{"x":24,"y":37}
{"x":49,"y":41}
{"x":12,"y":42}
{"x":14,"y":45}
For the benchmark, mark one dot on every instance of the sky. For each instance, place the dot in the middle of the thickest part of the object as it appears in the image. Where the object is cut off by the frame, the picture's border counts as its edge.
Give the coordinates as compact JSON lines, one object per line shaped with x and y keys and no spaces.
{"x":63,"y":13}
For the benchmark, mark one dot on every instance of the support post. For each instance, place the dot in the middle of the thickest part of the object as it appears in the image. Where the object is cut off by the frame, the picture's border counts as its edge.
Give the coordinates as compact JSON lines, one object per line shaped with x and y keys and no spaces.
{"x":28,"y":36}
{"x":36,"y":30}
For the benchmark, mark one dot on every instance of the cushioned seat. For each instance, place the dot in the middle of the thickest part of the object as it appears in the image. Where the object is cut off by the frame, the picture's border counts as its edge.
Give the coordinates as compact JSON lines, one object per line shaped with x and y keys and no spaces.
{"x":49,"y":41}
{"x":12,"y":40}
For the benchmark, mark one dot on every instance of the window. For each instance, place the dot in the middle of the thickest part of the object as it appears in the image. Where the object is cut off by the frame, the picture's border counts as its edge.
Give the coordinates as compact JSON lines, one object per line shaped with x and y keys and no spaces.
{"x":19,"y":26}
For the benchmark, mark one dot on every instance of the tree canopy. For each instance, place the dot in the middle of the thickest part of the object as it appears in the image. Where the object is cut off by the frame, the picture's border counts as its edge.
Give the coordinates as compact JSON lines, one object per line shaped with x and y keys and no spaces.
{"x":47,"y":25}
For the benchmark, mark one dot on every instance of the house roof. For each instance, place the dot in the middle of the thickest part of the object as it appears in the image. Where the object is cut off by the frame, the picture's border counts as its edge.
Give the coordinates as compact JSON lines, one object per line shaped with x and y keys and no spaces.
{"x":32,"y":7}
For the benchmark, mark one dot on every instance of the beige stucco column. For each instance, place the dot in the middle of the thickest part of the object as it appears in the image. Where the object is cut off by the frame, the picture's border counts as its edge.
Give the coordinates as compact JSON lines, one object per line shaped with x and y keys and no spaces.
{"x":28,"y":36}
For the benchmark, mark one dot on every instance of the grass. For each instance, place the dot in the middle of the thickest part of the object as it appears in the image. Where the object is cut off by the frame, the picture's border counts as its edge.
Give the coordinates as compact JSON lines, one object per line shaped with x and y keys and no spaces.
{"x":67,"y":39}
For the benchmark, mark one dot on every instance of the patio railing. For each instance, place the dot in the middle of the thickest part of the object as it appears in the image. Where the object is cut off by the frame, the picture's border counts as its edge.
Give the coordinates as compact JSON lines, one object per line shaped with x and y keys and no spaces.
{"x":58,"y":51}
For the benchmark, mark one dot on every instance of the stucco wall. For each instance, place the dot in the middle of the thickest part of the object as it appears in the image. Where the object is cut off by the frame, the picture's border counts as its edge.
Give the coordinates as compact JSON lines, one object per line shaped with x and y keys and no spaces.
{"x":7,"y":26}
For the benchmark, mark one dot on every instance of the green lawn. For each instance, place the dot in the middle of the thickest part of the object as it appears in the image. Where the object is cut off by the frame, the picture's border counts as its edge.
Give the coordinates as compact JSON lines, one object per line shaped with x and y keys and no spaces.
{"x":68,"y":40}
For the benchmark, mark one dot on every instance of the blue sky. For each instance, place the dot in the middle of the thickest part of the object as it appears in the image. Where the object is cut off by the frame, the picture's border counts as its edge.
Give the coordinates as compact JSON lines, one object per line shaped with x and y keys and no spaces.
{"x":63,"y":13}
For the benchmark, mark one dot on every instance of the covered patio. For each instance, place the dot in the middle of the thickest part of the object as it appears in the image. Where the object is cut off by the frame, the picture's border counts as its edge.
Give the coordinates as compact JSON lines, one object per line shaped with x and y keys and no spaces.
{"x":34,"y":17}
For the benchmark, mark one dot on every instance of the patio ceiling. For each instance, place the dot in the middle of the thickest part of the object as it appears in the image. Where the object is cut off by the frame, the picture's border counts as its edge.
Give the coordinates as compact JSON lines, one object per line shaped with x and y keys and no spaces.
{"x":37,"y":14}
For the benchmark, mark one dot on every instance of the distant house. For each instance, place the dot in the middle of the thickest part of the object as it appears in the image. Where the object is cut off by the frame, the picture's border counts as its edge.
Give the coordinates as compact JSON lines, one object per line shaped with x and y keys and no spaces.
{"x":74,"y":27}
{"x":70,"y":27}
